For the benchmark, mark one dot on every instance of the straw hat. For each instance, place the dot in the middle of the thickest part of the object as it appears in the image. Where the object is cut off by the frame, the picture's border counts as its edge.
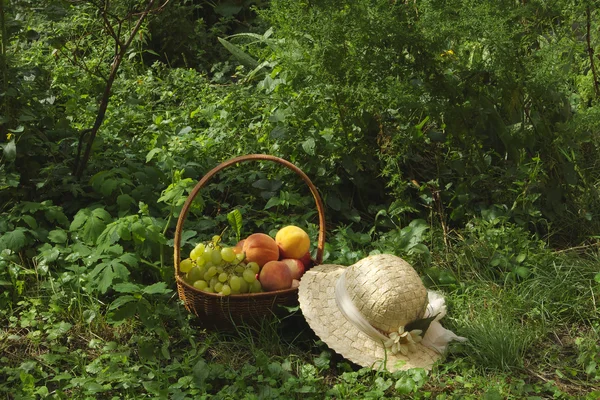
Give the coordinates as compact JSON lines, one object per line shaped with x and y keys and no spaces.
{"x":376,"y":313}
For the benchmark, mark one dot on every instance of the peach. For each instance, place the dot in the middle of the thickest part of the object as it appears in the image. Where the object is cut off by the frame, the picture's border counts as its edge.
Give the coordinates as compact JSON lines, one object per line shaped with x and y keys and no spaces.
{"x":260,"y":248}
{"x":239,"y":247}
{"x":296,"y":267}
{"x":307,"y":260}
{"x":275,"y":275}
{"x":293,"y":242}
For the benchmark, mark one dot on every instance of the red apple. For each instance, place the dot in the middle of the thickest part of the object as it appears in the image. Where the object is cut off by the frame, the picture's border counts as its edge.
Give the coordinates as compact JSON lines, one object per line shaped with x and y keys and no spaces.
{"x":275,"y":275}
{"x":296,"y":267}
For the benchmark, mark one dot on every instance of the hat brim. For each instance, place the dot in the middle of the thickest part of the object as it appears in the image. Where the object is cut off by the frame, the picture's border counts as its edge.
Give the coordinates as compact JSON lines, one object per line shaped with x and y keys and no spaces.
{"x":316,"y":295}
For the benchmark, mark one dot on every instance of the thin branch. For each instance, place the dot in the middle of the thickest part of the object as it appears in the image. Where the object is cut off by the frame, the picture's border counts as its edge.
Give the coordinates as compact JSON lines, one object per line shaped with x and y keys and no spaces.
{"x":591,"y":50}
{"x":80,"y":166}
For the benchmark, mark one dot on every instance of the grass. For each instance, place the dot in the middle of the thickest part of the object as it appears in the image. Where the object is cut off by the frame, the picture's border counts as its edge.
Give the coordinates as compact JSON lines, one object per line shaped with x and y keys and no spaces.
{"x":528,"y":338}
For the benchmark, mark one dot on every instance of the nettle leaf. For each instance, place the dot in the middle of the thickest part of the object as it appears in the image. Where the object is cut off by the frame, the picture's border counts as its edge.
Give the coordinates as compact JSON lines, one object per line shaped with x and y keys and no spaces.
{"x":91,"y":223}
{"x":14,"y":240}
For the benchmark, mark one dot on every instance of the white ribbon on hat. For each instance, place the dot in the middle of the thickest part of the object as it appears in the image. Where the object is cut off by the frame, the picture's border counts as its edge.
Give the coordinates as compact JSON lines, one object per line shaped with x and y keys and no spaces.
{"x":436,"y":337}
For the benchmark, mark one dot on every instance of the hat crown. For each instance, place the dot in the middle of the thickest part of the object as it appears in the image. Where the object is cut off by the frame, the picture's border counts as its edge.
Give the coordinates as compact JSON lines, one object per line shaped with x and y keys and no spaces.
{"x":387,"y":291}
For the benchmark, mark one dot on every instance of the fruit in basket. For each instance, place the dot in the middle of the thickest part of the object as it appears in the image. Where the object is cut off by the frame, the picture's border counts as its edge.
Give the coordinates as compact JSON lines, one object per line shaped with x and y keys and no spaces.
{"x":275,"y":275}
{"x":239,"y":247}
{"x":186,"y":265}
{"x":293,"y":242}
{"x":260,"y":248}
{"x":296,"y":267}
{"x":307,"y":260}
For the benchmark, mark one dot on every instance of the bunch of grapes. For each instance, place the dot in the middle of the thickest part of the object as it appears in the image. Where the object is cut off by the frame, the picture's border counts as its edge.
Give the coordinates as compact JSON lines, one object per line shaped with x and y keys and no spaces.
{"x":213,"y":268}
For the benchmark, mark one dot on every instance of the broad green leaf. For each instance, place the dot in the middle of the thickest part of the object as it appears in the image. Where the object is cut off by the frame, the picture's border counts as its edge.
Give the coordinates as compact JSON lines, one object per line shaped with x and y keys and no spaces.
{"x":152,"y":153}
{"x":119,"y":301}
{"x":106,"y":279}
{"x":126,"y":287}
{"x":597,"y":277}
{"x":157,"y":288}
{"x":14,"y":240}
{"x":309,"y":146}
{"x":57,"y":236}
{"x":235,"y":221}
{"x":405,"y":385}
{"x":29,"y":220}
{"x":273,"y":201}
{"x":91,"y":223}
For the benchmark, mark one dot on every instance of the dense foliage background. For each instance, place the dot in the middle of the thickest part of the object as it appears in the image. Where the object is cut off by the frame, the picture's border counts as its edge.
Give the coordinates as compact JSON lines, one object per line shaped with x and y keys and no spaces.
{"x":462,"y":135}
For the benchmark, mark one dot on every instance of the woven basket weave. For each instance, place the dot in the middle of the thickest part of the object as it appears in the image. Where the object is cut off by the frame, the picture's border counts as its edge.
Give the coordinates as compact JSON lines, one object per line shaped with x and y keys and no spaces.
{"x":217,"y":311}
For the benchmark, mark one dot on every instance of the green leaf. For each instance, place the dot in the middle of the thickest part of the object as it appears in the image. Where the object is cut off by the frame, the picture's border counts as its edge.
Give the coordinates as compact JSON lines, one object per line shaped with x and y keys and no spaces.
{"x":235,"y":221}
{"x":152,"y":153}
{"x":14,"y":240}
{"x":57,"y":236}
{"x":157,"y":288}
{"x":91,"y":223}
{"x":273,"y":201}
{"x":29,"y":220}
{"x":309,"y":146}
{"x":10,"y":150}
{"x":405,"y":385}
{"x":239,"y":54}
{"x":523,"y":272}
{"x":126,"y":287}
{"x":121,"y":300}
{"x":597,"y":277}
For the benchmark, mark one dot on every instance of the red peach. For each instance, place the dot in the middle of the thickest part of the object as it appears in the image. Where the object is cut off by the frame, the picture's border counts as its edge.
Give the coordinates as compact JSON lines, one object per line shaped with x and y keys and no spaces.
{"x":260,"y":248}
{"x":275,"y":275}
{"x":296,"y":267}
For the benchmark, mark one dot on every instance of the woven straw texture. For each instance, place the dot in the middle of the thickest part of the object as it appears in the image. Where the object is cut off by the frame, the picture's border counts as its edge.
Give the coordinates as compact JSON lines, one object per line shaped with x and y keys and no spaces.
{"x":389,"y":294}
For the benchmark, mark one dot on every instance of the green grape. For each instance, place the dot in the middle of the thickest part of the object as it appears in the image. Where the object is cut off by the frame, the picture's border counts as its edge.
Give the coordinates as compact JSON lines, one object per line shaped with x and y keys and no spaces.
{"x":208,"y":290}
{"x":220,"y":269}
{"x":186,"y":265}
{"x":218,"y":287}
{"x":223,"y":277}
{"x":212,"y":271}
{"x":200,"y":260}
{"x":254,"y":267}
{"x":228,"y":254}
{"x":249,"y":275}
{"x":225,"y":290}
{"x":194,"y":274}
{"x":213,"y":282}
{"x":239,"y":269}
{"x":255,"y":287}
{"x":215,"y":256}
{"x":235,"y":283}
{"x":197,"y":251}
{"x":207,"y":252}
{"x":244,"y":286}
{"x":216,"y":239}
{"x":240,"y":257}
{"x":200,"y":284}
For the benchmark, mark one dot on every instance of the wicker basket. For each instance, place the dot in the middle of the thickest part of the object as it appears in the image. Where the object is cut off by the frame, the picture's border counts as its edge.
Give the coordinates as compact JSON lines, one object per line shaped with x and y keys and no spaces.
{"x":219,"y":311}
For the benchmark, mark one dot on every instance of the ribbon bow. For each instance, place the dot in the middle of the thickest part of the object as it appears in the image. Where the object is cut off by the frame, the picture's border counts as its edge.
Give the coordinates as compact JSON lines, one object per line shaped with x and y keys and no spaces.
{"x":403,"y":341}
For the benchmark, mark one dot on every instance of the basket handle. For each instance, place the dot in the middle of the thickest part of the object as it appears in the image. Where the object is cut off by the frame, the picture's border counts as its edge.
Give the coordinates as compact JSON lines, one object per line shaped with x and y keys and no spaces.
{"x":249,"y":157}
